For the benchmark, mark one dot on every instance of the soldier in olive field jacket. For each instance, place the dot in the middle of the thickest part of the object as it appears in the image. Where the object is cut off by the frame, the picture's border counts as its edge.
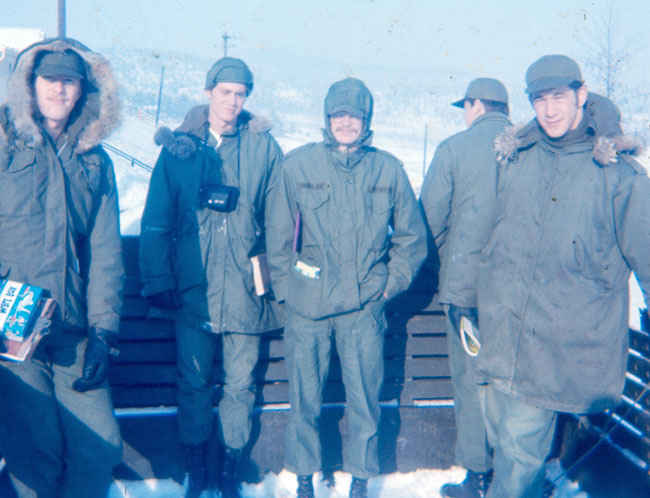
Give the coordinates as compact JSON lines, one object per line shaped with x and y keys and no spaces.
{"x":571,"y":223}
{"x":345,"y":234}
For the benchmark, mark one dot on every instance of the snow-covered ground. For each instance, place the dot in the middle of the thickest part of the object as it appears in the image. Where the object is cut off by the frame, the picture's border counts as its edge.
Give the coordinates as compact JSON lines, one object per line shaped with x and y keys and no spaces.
{"x":19,"y":38}
{"x":424,"y":483}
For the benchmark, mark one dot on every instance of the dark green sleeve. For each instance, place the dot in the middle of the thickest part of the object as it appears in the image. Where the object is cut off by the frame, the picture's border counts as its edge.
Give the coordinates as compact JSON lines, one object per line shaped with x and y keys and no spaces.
{"x":408,"y":241}
{"x":106,"y":272}
{"x":157,"y":230}
{"x":281,"y":222}
{"x":632,"y":215}
{"x":437,"y":192}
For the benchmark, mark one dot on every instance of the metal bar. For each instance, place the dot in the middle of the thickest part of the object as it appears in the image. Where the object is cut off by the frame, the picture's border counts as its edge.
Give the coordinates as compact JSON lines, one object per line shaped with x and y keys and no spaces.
{"x":634,"y":404}
{"x":158,"y":411}
{"x":623,"y":451}
{"x":634,"y":430}
{"x":637,"y":380}
{"x":127,"y":156}
{"x":638,"y":354}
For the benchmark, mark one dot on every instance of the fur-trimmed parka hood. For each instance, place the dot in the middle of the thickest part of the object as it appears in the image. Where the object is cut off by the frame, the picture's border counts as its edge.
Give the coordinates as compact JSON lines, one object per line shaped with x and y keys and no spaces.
{"x":93,"y":122}
{"x":186,"y":139}
{"x":603,"y":121}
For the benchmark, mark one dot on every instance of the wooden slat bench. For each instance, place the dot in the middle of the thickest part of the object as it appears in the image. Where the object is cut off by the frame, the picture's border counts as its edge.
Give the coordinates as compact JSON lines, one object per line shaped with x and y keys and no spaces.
{"x":417,"y":417}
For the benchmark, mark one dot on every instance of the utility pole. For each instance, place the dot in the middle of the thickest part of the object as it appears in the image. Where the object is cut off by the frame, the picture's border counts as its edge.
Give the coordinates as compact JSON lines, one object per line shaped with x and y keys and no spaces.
{"x":424,"y":159}
{"x":61,"y":19}
{"x":225,"y":37}
{"x":160,"y":89}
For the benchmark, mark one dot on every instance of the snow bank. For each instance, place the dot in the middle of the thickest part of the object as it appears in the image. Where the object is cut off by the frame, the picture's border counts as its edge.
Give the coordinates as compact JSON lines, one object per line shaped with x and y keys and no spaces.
{"x":419,"y":484}
{"x":19,"y":38}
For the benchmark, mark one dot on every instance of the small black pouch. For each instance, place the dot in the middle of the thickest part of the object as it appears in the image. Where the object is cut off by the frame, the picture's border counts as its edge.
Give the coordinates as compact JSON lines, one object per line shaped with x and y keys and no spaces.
{"x":217,"y":197}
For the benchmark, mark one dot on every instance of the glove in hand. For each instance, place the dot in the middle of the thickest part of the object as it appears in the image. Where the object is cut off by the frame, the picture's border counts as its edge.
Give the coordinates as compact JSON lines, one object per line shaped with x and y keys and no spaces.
{"x":456,"y":312}
{"x":95,"y":370}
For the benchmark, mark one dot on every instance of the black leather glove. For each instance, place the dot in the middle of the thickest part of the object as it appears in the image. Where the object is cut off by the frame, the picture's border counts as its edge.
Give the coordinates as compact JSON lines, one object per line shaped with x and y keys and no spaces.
{"x":167,"y":299}
{"x":101,"y":344}
{"x":456,"y":312}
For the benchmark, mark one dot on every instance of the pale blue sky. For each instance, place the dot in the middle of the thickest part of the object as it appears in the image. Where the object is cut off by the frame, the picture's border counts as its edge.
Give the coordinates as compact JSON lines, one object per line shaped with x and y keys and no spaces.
{"x":473,"y":37}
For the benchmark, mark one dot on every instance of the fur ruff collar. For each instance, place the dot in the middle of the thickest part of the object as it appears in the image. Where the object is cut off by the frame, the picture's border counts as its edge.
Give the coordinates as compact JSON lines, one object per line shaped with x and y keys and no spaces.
{"x":186,"y":139}
{"x":603,"y":123}
{"x":98,"y":118}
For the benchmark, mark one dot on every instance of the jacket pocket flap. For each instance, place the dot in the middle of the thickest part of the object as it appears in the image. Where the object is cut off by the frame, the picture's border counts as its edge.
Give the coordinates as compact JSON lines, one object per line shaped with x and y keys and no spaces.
{"x":21,"y":160}
{"x":313,"y":198}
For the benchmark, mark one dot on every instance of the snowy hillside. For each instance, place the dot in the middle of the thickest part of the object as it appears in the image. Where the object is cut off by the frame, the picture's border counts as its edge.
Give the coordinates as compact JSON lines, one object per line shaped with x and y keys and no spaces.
{"x":293,"y":107}
{"x":293,"y":103}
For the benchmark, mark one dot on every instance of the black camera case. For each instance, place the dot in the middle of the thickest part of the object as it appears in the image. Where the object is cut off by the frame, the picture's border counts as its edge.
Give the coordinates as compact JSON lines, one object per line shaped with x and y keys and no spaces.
{"x":217,"y":197}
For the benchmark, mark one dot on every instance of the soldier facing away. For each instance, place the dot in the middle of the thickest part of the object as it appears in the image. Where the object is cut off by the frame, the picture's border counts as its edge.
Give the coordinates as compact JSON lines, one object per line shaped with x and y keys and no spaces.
{"x":458,"y":197}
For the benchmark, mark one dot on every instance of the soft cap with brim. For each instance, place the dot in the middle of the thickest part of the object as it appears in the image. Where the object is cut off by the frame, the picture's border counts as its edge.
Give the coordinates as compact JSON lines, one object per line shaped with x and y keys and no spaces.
{"x":484,"y":89}
{"x":229,"y":70}
{"x":351,"y":96}
{"x":552,"y":71}
{"x":66,"y":64}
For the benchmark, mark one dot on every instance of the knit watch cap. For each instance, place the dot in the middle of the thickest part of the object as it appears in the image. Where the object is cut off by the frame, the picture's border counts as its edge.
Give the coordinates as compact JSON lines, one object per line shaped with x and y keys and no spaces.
{"x":229,"y":70}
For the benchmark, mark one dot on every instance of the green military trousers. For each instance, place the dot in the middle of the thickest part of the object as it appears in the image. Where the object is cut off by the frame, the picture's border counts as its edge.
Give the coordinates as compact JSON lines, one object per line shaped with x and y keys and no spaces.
{"x":197,"y":361}
{"x":472,"y":448}
{"x":58,"y":443}
{"x":359,"y":338}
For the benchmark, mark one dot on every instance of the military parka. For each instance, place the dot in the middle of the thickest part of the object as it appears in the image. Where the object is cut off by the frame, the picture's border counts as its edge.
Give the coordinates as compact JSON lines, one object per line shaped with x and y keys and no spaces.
{"x":458,"y":196}
{"x":344,"y":228}
{"x":58,"y":206}
{"x":571,"y":223}
{"x":184,"y":245}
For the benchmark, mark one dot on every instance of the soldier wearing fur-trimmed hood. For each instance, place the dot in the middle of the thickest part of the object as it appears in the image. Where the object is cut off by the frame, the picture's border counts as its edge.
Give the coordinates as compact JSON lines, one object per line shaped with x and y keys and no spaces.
{"x":97,"y":115}
{"x":60,"y":232}
{"x":571,"y":224}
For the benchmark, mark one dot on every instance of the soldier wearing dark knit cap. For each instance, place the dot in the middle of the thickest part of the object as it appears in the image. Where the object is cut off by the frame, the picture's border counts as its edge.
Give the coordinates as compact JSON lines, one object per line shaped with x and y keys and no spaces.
{"x":553,"y":278}
{"x":60,"y":231}
{"x":203,"y":232}
{"x":458,"y":197}
{"x":229,"y":70}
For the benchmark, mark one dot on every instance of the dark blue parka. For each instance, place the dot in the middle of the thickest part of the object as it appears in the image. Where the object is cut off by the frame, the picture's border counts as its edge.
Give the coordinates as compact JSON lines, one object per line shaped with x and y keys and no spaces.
{"x":185,"y":246}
